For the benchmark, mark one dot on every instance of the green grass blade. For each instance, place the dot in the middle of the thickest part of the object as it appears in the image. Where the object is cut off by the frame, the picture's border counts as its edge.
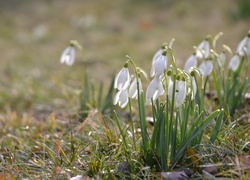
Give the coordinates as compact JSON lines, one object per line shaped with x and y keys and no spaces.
{"x":217,"y":127}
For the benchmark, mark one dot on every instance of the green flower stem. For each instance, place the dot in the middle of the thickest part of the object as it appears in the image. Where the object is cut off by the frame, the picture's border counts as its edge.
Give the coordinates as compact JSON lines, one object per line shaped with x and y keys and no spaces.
{"x":145,"y":140}
{"x":172,"y":117}
{"x":132,"y":124}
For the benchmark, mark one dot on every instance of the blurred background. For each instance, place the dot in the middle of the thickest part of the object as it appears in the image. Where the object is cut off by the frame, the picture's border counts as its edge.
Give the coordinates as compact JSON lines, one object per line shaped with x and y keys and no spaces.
{"x":34,"y":33}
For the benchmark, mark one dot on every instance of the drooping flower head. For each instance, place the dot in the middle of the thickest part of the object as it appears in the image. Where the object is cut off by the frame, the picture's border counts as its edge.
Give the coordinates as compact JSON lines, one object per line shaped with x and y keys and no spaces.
{"x":221,"y":59}
{"x":234,"y":63}
{"x":122,"y":79}
{"x":243,"y":47}
{"x":154,"y":90}
{"x":180,"y":90}
{"x":159,"y":65}
{"x":203,"y":49}
{"x":133,"y":90}
{"x":191,"y":62}
{"x":206,"y":68}
{"x":68,"y":55}
{"x":121,"y":98}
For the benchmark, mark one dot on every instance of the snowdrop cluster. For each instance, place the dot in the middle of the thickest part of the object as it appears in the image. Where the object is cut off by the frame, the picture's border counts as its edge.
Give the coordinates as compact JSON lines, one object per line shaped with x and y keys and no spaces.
{"x":177,"y":86}
{"x":159,"y":66}
{"x":176,"y":83}
{"x":202,"y":52}
{"x":243,"y":49}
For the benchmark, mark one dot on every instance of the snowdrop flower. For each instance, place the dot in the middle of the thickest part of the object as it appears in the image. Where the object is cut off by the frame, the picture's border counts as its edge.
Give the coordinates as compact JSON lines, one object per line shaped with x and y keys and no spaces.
{"x":221,"y":59}
{"x":191,"y":62}
{"x":68,"y":55}
{"x":234,"y":63}
{"x":158,"y":53}
{"x":133,"y":91}
{"x":159,"y":65}
{"x":122,"y":79}
{"x":170,"y":87}
{"x":244,"y":46}
{"x":154,"y":90}
{"x":121,"y":98}
{"x":206,"y":68}
{"x":203,"y":49}
{"x":180,"y":91}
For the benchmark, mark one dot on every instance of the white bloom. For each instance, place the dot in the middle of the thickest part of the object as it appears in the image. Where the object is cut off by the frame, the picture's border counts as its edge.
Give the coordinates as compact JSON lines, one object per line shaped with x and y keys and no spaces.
{"x":68,"y":55}
{"x":121,"y":98}
{"x":206,"y":68}
{"x":133,"y":91}
{"x":221,"y":59}
{"x":194,"y":87}
{"x":203,"y":49}
{"x":122,"y":79}
{"x":191,"y":62}
{"x":234,"y":63}
{"x":170,"y":87}
{"x":159,"y":66}
{"x":157,"y":55}
{"x":154,"y":90}
{"x":244,"y":46}
{"x":180,"y":91}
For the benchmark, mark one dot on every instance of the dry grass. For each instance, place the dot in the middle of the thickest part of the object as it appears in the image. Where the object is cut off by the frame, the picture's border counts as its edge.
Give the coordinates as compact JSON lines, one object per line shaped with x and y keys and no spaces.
{"x":38,"y":95}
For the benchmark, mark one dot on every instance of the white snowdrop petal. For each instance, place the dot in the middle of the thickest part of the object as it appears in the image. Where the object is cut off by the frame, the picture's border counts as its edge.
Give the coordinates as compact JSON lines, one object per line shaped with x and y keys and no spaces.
{"x":206,"y":68}
{"x":116,"y":98}
{"x":157,"y":55}
{"x":152,"y":87}
{"x":160,"y":91}
{"x":170,"y":88}
{"x":201,"y":45}
{"x":133,"y":89}
{"x":64,"y":54}
{"x":160,"y":66}
{"x":181,"y":94}
{"x":199,"y":53}
{"x":71,"y":59}
{"x":248,"y":46}
{"x":203,"y":49}
{"x":123,"y":99}
{"x":122,"y":79}
{"x":234,"y":63}
{"x":191,"y":62}
{"x":221,"y":59}
{"x":68,"y":56}
{"x":206,"y":49}
{"x":241,"y":45}
{"x":194,"y":87}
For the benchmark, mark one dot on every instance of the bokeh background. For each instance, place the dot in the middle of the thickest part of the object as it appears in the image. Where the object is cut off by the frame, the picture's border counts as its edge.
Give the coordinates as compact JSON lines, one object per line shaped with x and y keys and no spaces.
{"x":34,"y":33}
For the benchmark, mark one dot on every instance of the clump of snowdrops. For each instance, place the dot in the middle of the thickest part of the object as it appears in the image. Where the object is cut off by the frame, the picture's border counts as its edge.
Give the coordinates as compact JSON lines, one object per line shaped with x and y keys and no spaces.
{"x":177,"y":99}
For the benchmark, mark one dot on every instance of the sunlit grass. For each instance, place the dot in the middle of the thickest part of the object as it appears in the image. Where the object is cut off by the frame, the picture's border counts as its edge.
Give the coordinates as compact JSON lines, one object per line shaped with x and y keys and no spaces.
{"x":57,"y":122}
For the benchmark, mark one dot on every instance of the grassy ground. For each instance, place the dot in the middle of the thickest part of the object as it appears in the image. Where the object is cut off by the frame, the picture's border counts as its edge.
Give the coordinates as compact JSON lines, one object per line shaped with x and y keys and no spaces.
{"x":41,"y":134}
